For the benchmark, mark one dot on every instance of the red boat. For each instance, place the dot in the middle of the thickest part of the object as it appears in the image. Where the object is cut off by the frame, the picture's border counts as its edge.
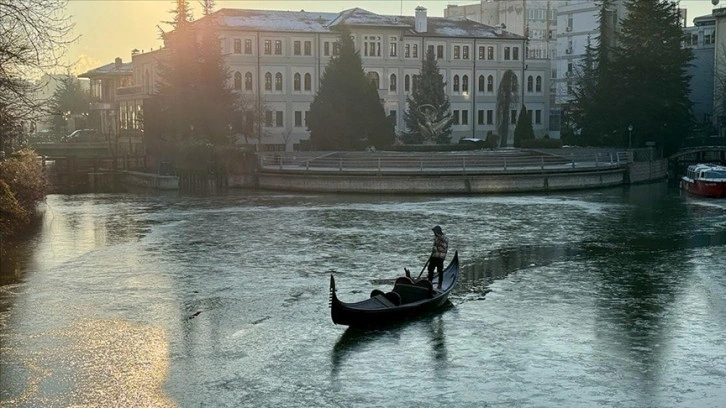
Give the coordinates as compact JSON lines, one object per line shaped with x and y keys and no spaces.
{"x":707,"y":180}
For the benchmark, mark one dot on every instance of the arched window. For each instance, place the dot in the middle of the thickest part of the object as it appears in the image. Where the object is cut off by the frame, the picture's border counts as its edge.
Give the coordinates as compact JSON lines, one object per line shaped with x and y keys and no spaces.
{"x":539,"y":84}
{"x":465,"y":84}
{"x":373,"y":77}
{"x":490,"y":83}
{"x":278,"y":82}
{"x":268,"y":81}
{"x":406,"y":83}
{"x":392,"y":86}
{"x":530,"y":84}
{"x":296,"y":82}
{"x":248,"y":81}
{"x":238,"y":81}
{"x":456,"y":83}
{"x":308,"y":82}
{"x":482,"y":83}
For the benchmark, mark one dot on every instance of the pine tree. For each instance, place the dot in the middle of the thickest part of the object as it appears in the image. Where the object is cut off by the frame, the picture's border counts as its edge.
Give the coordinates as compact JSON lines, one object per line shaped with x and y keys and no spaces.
{"x":346,"y":113}
{"x":428,"y":89}
{"x":523,"y":131}
{"x":69,"y":99}
{"x":653,"y":85}
{"x":194,"y":103}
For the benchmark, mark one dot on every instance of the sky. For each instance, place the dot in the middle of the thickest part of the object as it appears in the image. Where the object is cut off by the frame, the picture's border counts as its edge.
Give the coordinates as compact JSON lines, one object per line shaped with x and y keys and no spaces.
{"x":107,"y":29}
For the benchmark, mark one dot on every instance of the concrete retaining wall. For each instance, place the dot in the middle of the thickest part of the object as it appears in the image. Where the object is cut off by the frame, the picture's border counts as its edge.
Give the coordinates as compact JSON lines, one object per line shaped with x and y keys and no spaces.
{"x":640,"y":172}
{"x":442,"y":182}
{"x":149,"y":180}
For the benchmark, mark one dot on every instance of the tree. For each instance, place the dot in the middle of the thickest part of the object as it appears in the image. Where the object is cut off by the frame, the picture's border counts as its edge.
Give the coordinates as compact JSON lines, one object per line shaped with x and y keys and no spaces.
{"x":506,"y":96}
{"x":68,"y":100}
{"x":523,"y":131}
{"x":33,"y":38}
{"x":719,"y":108}
{"x":346,"y":113}
{"x":428,"y":90}
{"x":249,"y":118}
{"x":194,"y":103}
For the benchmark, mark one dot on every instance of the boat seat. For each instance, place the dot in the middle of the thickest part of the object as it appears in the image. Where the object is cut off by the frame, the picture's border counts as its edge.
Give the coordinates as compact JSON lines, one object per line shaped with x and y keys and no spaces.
{"x":404,"y":279}
{"x":394,"y":297}
{"x":412,"y":293}
{"x":376,"y":292}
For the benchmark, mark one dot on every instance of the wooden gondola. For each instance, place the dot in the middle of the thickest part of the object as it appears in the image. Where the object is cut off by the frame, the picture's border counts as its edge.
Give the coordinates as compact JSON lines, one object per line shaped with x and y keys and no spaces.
{"x":407,"y":299}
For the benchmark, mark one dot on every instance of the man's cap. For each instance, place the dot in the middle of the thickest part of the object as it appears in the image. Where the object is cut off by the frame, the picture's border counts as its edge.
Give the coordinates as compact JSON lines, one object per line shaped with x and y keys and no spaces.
{"x":437,"y":230}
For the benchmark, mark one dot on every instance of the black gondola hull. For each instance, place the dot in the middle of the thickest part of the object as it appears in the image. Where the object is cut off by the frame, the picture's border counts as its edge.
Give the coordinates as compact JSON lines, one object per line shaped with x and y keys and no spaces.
{"x":404,"y":302}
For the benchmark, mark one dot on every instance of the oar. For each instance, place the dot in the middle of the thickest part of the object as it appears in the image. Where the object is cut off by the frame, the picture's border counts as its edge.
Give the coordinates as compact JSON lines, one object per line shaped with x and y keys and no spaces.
{"x":422,"y":269}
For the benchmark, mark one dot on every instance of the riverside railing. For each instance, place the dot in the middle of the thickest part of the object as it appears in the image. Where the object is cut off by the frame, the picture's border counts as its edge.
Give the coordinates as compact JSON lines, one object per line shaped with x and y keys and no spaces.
{"x":454,"y":162}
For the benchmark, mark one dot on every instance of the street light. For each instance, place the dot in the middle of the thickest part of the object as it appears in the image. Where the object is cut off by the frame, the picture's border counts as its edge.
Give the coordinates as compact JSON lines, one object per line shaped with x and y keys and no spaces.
{"x":630,"y":136}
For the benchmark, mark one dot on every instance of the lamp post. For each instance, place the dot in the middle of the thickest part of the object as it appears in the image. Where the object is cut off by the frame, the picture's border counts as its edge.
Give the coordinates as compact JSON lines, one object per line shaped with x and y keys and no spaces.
{"x":630,"y":136}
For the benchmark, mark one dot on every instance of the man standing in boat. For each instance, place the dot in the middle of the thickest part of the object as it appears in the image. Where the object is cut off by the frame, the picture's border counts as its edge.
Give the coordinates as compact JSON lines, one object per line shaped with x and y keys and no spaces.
{"x":438,"y":254}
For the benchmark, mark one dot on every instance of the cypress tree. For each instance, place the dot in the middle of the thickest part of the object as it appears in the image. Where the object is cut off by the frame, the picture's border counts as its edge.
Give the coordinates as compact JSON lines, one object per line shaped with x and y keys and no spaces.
{"x":506,"y":95}
{"x":346,"y":113}
{"x":428,"y":89}
{"x":523,"y":131}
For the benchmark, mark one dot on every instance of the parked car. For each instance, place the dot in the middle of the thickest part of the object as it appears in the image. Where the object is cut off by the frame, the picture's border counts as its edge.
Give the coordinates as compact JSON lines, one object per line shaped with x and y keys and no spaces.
{"x":83,"y":136}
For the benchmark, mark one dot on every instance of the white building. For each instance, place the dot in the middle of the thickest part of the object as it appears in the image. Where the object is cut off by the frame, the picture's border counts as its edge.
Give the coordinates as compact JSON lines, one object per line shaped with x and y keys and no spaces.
{"x":280,"y":56}
{"x":720,"y":70}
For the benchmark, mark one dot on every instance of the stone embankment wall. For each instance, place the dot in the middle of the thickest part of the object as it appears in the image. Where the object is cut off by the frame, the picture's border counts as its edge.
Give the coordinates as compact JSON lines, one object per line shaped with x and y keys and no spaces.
{"x":642,"y":172}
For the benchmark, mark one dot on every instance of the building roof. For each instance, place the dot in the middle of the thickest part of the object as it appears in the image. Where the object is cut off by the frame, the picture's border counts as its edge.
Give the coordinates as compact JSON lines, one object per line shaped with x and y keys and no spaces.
{"x":112,"y":69}
{"x":320,"y":22}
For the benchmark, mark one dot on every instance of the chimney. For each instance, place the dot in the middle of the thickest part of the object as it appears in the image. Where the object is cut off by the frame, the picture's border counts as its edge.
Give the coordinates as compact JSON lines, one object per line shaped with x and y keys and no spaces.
{"x":118,"y":62}
{"x":420,"y":24}
{"x":134,"y":52}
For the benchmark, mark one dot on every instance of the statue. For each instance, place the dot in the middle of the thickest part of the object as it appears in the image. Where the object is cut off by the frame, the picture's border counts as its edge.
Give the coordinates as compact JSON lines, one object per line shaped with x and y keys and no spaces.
{"x":431,"y":128}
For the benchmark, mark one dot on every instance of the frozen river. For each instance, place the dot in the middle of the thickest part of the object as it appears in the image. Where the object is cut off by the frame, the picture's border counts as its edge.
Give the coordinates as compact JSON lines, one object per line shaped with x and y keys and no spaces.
{"x":601,"y":298}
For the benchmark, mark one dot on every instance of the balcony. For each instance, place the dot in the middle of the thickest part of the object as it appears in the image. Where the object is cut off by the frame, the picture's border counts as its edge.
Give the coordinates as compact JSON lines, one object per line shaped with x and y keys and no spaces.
{"x":94,"y":106}
{"x":136,"y":90}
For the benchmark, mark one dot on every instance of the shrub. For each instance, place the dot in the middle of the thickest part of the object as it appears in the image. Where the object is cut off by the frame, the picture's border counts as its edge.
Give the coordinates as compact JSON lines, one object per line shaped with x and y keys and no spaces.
{"x":23,"y":184}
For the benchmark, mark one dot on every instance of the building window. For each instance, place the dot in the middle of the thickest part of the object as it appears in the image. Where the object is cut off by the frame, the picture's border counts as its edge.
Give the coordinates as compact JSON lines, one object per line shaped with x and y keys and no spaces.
{"x":457,"y":52}
{"x":374,"y":79}
{"x":248,"y":81}
{"x":308,"y":80}
{"x":268,"y":81}
{"x":268,"y":47}
{"x":406,"y":83}
{"x":465,"y":117}
{"x":278,"y":47}
{"x":392,"y":83}
{"x":490,"y":83}
{"x":298,"y":118}
{"x":507,"y":52}
{"x":515,"y":53}
{"x":237,"y":46}
{"x":307,"y":117}
{"x":490,"y":117}
{"x":456,"y":83}
{"x":430,"y":49}
{"x":465,"y":84}
{"x":480,"y":117}
{"x":513,"y":117}
{"x":372,"y":46}
{"x":238,"y":81}
{"x":415,"y":82}
{"x":465,"y":52}
{"x":482,"y":82}
{"x":456,"y":118}
{"x":296,"y":48}
{"x":407,"y":51}
{"x":439,"y":52}
{"x":268,"y":118}
{"x":530,"y":84}
{"x":278,"y":82}
{"x":248,"y":46}
{"x":490,"y":53}
{"x":538,"y":117}
{"x":414,"y":51}
{"x":393,"y":47}
{"x":326,"y":48}
{"x":278,"y":119}
{"x":308,"y":48}
{"x":538,"y":86}
{"x":296,"y":82}
{"x":482,"y":52}
{"x":336,"y":48}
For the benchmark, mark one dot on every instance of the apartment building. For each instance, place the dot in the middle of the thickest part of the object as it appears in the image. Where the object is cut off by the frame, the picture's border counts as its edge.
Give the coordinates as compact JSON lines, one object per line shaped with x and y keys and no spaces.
{"x":279,"y":57}
{"x":701,"y":39}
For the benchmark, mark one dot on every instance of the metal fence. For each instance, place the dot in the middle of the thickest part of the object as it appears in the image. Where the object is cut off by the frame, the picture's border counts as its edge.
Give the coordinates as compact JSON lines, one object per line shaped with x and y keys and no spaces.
{"x":483,"y":162}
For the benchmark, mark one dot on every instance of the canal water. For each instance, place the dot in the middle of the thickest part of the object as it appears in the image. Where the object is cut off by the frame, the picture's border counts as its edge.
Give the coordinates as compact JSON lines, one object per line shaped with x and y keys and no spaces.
{"x":594,"y":298}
